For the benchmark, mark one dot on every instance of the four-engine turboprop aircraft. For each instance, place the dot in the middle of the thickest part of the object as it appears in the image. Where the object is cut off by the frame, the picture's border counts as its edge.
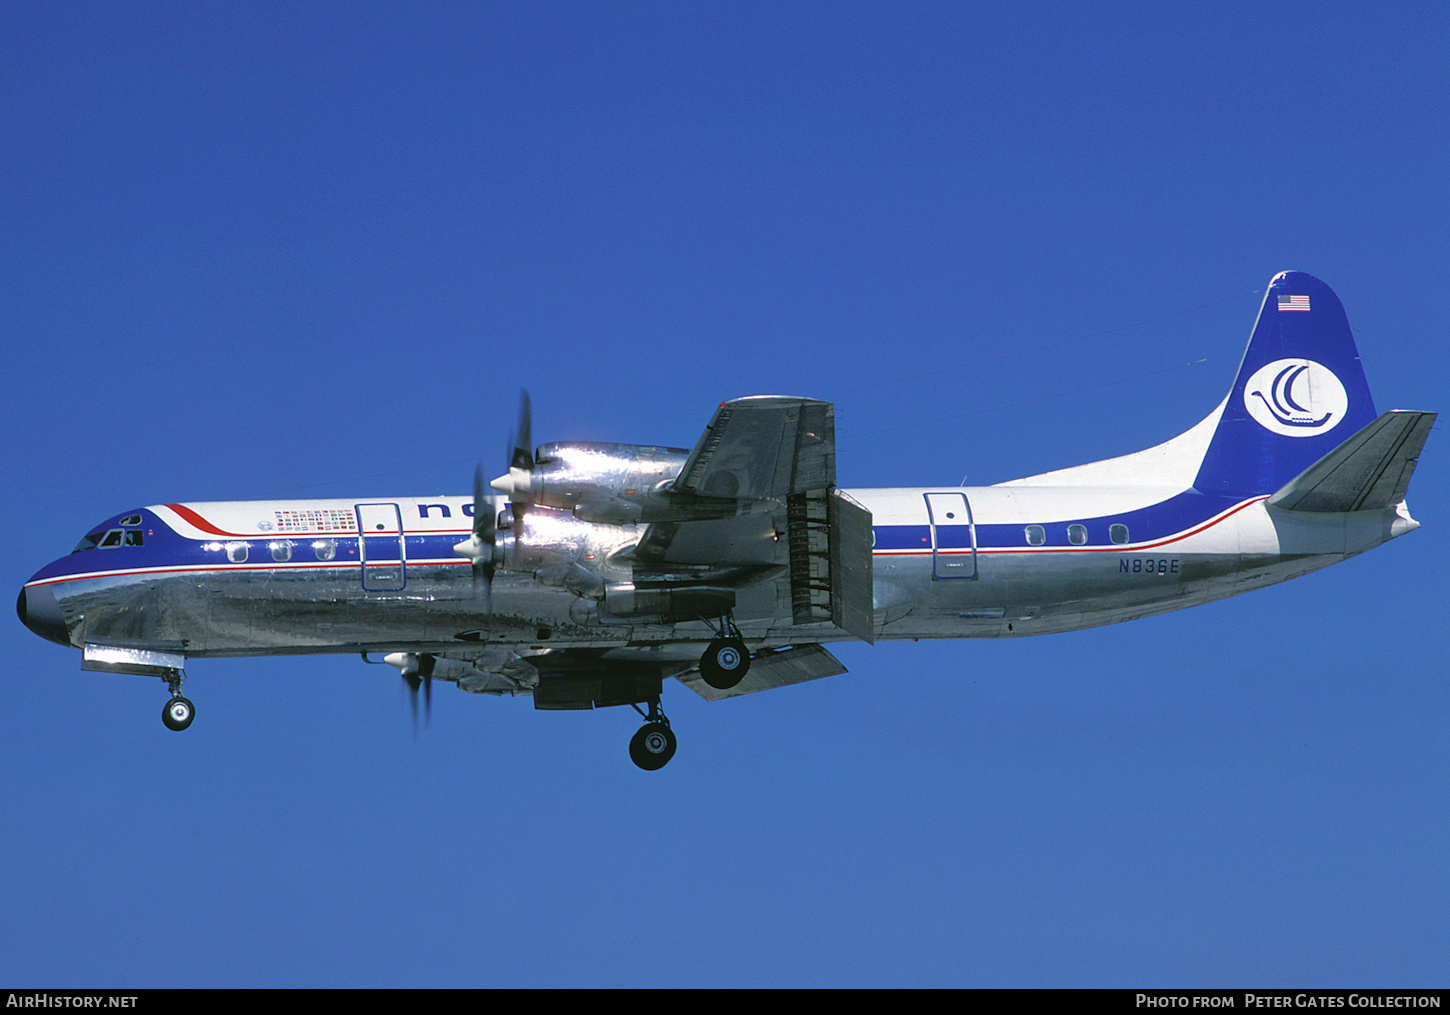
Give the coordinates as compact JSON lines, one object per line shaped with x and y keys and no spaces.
{"x":599,"y":570}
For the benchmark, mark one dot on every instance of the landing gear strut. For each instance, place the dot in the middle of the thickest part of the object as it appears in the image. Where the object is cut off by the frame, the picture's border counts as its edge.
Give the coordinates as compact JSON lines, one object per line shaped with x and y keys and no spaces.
{"x":654,"y":744}
{"x":179,"y":711}
{"x":726,"y":660}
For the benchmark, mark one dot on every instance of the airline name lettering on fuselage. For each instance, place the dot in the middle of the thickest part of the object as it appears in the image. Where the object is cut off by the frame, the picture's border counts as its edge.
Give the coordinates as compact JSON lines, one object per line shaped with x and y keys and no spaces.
{"x":442,"y":509}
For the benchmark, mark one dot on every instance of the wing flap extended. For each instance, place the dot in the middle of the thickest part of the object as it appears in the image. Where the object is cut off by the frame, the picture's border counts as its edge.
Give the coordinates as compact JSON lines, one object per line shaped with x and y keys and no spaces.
{"x":1371,"y":470}
{"x":772,"y":669}
{"x":852,"y":574}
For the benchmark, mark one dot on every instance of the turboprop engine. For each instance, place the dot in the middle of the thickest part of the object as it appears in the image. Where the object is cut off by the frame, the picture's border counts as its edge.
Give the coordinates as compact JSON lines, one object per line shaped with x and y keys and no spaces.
{"x":608,"y":483}
{"x":573,"y":515}
{"x":559,"y":549}
{"x":611,"y":484}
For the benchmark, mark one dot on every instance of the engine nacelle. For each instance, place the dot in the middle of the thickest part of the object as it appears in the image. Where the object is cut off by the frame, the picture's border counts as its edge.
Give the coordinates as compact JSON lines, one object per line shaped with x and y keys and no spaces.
{"x":496,"y":670}
{"x":566,"y":475}
{"x":611,"y":484}
{"x":559,"y":549}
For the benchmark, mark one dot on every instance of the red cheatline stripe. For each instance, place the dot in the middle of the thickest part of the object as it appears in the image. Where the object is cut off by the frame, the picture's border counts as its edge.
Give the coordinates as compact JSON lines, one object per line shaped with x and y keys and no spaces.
{"x":1126,"y":548}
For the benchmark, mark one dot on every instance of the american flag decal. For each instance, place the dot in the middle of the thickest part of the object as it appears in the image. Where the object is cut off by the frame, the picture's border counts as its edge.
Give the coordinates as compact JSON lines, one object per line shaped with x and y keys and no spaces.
{"x":1293,"y":302}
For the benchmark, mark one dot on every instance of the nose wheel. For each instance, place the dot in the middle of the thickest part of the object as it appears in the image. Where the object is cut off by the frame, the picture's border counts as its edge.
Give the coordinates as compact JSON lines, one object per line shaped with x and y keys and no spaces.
{"x":654,"y":745}
{"x":179,"y":711}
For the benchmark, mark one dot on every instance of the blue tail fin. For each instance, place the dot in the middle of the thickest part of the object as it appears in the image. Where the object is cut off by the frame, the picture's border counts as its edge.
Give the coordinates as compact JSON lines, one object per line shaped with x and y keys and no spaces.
{"x":1300,"y":392}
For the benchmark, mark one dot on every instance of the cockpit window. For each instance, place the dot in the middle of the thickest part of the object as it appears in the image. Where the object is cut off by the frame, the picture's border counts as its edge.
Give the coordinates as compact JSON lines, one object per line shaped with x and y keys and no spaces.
{"x":111,"y":538}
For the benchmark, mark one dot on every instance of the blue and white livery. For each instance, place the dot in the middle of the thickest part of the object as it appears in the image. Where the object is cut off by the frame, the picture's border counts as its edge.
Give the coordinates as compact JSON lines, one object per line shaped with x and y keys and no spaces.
{"x":591,"y":573}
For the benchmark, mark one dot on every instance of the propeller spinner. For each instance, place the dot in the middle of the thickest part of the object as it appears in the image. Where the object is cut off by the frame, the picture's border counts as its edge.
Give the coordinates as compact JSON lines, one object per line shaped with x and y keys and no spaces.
{"x":521,"y":462}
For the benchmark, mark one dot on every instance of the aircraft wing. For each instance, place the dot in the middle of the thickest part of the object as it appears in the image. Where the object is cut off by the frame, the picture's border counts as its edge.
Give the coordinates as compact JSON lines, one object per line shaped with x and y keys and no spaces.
{"x":774,"y":457}
{"x":584,"y":678}
{"x":763,"y":447}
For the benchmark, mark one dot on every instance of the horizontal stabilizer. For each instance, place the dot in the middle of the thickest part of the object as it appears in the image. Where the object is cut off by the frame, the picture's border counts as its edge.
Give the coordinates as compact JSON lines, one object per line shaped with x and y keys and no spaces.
{"x":772,"y":669}
{"x":1369,"y":471}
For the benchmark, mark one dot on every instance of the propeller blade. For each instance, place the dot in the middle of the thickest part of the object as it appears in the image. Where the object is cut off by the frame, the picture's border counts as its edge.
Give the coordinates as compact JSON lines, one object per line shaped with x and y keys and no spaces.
{"x":417,"y":672}
{"x":518,"y":480}
{"x":413,"y":681}
{"x":484,"y":539}
{"x":482,"y":546}
{"x":523,"y":457}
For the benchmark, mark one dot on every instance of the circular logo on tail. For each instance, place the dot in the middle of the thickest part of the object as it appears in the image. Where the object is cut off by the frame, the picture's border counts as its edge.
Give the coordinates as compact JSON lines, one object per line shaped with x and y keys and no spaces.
{"x":1296,"y":398}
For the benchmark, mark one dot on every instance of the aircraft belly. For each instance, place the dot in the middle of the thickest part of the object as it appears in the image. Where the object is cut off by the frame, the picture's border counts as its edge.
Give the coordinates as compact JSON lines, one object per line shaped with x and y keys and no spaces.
{"x":1038,"y":593}
{"x":280,"y":611}
{"x":296,"y":611}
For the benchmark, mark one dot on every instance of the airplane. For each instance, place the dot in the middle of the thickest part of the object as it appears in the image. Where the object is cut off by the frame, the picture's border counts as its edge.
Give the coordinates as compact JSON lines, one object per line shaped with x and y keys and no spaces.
{"x":593,"y":572}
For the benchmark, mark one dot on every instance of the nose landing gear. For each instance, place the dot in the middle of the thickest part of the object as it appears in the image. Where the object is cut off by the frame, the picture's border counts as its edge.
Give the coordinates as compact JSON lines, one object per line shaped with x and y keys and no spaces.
{"x":179,"y":711}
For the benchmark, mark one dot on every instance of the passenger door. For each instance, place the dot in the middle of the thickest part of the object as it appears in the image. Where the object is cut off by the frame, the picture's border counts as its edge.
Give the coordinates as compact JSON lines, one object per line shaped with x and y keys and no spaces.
{"x":382,"y":555}
{"x":953,"y":536}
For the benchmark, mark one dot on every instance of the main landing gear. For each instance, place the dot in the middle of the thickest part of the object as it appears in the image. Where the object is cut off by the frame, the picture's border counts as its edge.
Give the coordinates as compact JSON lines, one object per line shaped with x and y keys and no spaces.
{"x":179,"y":711}
{"x":723,"y":666}
{"x":726,"y":660}
{"x":654,"y":744}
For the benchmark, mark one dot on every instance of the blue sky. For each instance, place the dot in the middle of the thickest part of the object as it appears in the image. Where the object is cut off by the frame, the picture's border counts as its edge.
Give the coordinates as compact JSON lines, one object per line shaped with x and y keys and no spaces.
{"x":273,"y":250}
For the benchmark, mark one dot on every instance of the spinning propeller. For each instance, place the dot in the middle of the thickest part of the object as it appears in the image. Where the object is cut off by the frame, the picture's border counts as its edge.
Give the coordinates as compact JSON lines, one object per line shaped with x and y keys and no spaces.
{"x":519,"y":478}
{"x":417,"y":672}
{"x":482,"y":546}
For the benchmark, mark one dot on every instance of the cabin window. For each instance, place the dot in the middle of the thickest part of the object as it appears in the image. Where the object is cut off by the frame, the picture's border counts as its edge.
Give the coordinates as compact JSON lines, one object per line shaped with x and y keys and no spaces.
{"x":1077,"y":534}
{"x":237,"y":553}
{"x":135,"y":537}
{"x":325,"y":549}
{"x":281,"y":549}
{"x":1036,"y":535}
{"x":1118,"y":533}
{"x":110,"y":539}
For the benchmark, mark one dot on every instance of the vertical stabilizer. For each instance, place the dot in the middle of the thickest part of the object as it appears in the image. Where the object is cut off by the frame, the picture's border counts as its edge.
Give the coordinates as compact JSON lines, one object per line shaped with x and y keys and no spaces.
{"x":1300,"y":392}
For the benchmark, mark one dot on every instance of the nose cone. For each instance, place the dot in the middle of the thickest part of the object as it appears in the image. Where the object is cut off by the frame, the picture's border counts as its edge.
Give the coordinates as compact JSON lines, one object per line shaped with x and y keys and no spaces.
{"x":41,"y":613}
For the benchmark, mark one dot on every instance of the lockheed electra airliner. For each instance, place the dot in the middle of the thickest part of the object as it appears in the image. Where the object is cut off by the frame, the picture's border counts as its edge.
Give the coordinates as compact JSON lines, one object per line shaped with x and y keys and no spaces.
{"x":593,"y":572}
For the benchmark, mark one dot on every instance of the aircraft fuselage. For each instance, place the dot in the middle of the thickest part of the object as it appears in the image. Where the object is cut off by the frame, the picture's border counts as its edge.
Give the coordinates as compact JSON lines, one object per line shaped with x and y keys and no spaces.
{"x":206,"y":579}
